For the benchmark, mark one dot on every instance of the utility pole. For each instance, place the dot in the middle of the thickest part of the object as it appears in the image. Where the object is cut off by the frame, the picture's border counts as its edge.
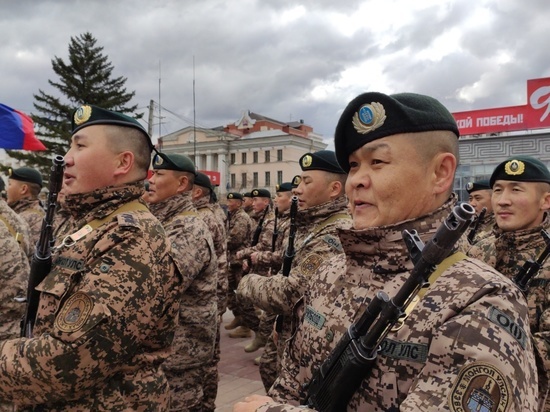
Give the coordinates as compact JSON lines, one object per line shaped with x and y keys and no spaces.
{"x":150,"y":121}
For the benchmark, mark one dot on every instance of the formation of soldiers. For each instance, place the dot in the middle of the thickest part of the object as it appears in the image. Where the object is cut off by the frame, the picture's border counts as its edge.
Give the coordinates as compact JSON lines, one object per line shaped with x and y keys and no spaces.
{"x":130,"y":314}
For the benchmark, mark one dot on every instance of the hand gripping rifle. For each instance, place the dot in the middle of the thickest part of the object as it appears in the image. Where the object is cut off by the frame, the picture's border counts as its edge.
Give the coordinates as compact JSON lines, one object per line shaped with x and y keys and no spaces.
{"x":41,"y":262}
{"x":289,"y":252}
{"x":258,"y":230}
{"x":340,"y":375}
{"x":530,"y":268}
{"x":473,"y":232}
{"x":275,"y":230}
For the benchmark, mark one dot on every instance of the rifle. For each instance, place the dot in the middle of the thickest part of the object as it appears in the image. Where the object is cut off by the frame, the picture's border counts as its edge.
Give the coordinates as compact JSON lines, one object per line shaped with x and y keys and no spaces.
{"x":41,"y":262}
{"x":258,"y":230}
{"x":473,"y":232}
{"x":340,"y":375}
{"x":530,"y":267}
{"x":275,"y":231}
{"x":289,"y":252}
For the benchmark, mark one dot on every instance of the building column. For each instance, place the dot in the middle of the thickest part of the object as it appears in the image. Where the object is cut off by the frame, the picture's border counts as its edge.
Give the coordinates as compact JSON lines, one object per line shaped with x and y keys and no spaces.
{"x":224,"y":173}
{"x":209,"y":161}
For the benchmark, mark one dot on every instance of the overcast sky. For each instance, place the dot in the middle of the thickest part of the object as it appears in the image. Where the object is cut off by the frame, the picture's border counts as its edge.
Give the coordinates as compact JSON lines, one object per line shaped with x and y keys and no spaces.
{"x":285,"y":59}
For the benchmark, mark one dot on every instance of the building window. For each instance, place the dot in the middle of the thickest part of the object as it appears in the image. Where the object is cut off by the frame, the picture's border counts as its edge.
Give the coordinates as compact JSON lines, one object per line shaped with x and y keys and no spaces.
{"x":233,"y":180}
{"x":280,"y":155}
{"x":267,"y":156}
{"x":268,"y":179}
{"x":255,"y":157}
{"x":279,"y":177}
{"x":243,"y":156}
{"x":243,"y":180}
{"x":233,"y":158}
{"x":255,"y":179}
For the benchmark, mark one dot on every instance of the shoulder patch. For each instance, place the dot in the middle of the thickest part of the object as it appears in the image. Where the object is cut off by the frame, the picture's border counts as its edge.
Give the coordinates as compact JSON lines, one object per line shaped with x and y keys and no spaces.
{"x":128,"y":219}
{"x":314,"y":318}
{"x":480,"y":386}
{"x":334,"y":242}
{"x":74,"y":313}
{"x":504,"y":321}
{"x":310,"y":264}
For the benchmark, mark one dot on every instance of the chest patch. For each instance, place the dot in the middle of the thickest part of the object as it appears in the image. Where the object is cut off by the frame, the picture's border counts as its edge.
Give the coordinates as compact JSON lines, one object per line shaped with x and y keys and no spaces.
{"x":414,"y":352}
{"x":310,"y":264}
{"x":69,"y":263}
{"x":480,"y":387}
{"x":74,"y":313}
{"x":314,"y":318}
{"x":504,"y":321}
{"x":333,"y":242}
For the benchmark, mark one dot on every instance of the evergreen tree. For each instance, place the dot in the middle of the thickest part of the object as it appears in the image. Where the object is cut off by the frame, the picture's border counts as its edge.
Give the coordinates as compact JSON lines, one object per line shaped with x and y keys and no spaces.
{"x":85,"y":79}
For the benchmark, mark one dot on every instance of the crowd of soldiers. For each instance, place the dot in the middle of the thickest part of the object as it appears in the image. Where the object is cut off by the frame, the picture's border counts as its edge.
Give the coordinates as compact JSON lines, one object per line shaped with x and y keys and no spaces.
{"x":129,"y":316}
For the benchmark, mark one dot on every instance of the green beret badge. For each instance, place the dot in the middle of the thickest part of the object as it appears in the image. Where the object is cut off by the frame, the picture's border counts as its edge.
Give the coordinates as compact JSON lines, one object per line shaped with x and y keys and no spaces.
{"x":296,"y":180}
{"x":277,"y":187}
{"x":230,"y":196}
{"x":514,"y":167}
{"x":470,"y":186}
{"x":255,"y":193}
{"x":369,"y":117}
{"x":82,"y":115}
{"x":306,"y":161}
{"x":158,"y":160}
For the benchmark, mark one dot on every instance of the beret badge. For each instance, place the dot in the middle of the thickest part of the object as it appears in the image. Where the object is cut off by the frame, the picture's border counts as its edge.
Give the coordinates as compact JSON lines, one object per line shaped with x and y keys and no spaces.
{"x":277,"y":187}
{"x":296,"y":180}
{"x":369,"y":117}
{"x":255,"y":193}
{"x":158,"y":160}
{"x":514,"y":167}
{"x":306,"y":161}
{"x":470,"y":186}
{"x":82,"y":115}
{"x":230,"y":196}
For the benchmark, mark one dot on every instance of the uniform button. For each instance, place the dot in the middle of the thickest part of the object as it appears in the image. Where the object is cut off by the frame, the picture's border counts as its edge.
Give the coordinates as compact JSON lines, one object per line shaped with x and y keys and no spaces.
{"x":330,"y":335}
{"x":104,"y":267}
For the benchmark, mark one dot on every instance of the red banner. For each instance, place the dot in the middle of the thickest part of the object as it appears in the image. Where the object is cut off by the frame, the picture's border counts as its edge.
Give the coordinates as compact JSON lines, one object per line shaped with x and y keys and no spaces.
{"x":534,"y":115}
{"x":214,"y":176}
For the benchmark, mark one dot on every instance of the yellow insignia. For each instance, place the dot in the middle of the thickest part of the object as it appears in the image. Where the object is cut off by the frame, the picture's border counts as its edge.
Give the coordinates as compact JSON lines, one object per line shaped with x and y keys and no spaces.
{"x":277,"y":187}
{"x":230,"y":196}
{"x":514,"y":167}
{"x":297,"y":180}
{"x":306,"y":161}
{"x":310,"y":264}
{"x":74,"y":313}
{"x":10,"y":172}
{"x":255,"y":193}
{"x":480,"y":386}
{"x":369,"y":117}
{"x":82,"y":115}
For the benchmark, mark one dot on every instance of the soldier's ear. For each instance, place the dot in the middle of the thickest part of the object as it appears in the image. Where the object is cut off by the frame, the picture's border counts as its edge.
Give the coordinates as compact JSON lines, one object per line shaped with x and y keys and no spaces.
{"x":545,"y":200}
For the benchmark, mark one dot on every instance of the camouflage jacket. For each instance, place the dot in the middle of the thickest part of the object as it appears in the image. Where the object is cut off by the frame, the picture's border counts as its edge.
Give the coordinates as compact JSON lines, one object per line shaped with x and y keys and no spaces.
{"x":316,"y":241}
{"x":239,"y":234}
{"x":217,"y":230}
{"x":195,"y":257}
{"x":14,"y":270}
{"x":32,"y":211}
{"x":455,"y":350}
{"x":106,"y":316}
{"x":265,"y":239}
{"x":274,"y":256}
{"x":507,"y":252}
{"x":484,"y":230}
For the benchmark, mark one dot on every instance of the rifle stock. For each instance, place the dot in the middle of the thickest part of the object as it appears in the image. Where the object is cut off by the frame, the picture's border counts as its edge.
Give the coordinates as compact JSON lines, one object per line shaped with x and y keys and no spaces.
{"x":337,"y":379}
{"x":472,"y":234}
{"x":42,"y":259}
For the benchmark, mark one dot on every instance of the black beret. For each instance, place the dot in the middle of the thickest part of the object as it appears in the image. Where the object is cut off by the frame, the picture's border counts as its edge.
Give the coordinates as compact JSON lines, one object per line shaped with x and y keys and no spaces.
{"x":372,"y":116}
{"x":173,"y":161}
{"x":321,"y":160}
{"x":479,"y":185}
{"x":521,"y":169}
{"x":89,"y":115}
{"x":203,"y":180}
{"x":284,"y":187}
{"x":26,"y":174}
{"x":296,"y":181}
{"x":261,"y":193}
{"x":234,"y":195}
{"x":247,"y":194}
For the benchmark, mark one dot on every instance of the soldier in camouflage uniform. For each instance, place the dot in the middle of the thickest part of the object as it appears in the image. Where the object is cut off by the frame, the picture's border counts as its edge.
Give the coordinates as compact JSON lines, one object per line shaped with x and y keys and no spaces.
{"x":18,"y":227}
{"x":108,"y":308}
{"x":322,"y":212}
{"x":247,"y":206}
{"x":202,"y":192}
{"x":24,"y":186}
{"x":455,"y":351}
{"x":261,"y":324}
{"x":480,"y":197}
{"x":521,"y":199}
{"x":195,"y":256}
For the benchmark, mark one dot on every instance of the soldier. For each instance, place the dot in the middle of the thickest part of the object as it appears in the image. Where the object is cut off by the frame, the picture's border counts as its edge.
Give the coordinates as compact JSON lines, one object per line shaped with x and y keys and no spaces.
{"x":521,"y":199}
{"x":480,"y":197}
{"x":17,"y":226}
{"x":24,"y":185}
{"x":194,"y":255}
{"x":261,"y":241}
{"x":202,"y":193}
{"x":322,"y":212}
{"x":455,"y":350}
{"x":239,"y":235}
{"x":247,"y":206}
{"x":107,"y":310}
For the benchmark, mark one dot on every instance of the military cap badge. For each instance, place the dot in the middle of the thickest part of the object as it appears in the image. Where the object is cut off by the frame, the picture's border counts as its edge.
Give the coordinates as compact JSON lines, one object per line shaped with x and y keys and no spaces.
{"x":514,"y":167}
{"x":230,"y":196}
{"x":369,"y":117}
{"x":277,"y":187}
{"x":255,"y":193}
{"x":158,"y":160}
{"x":470,"y":186}
{"x":306,"y":161}
{"x":82,"y":115}
{"x":296,"y":180}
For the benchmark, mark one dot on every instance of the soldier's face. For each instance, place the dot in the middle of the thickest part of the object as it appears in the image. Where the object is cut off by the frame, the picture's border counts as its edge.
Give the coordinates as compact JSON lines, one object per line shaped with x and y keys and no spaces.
{"x":164,"y":184}
{"x":389,"y":182}
{"x":259,"y":203}
{"x":313,"y":190}
{"x":90,"y":163}
{"x":247,"y":202}
{"x":519,"y":205}
{"x":282,"y":201}
{"x":481,"y":199}
{"x":233,"y":204}
{"x":15,"y":190}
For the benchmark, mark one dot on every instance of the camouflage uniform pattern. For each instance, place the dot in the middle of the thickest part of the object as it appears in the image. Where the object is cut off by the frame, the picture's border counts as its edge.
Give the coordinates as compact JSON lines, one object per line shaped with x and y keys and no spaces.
{"x":19,"y":225}
{"x":507,"y":252}
{"x":484,"y":230}
{"x":316,"y":241}
{"x":450,"y":348}
{"x":217,"y":229}
{"x":194,"y":255}
{"x":274,"y":258}
{"x":106,"y":317}
{"x":32,"y":211}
